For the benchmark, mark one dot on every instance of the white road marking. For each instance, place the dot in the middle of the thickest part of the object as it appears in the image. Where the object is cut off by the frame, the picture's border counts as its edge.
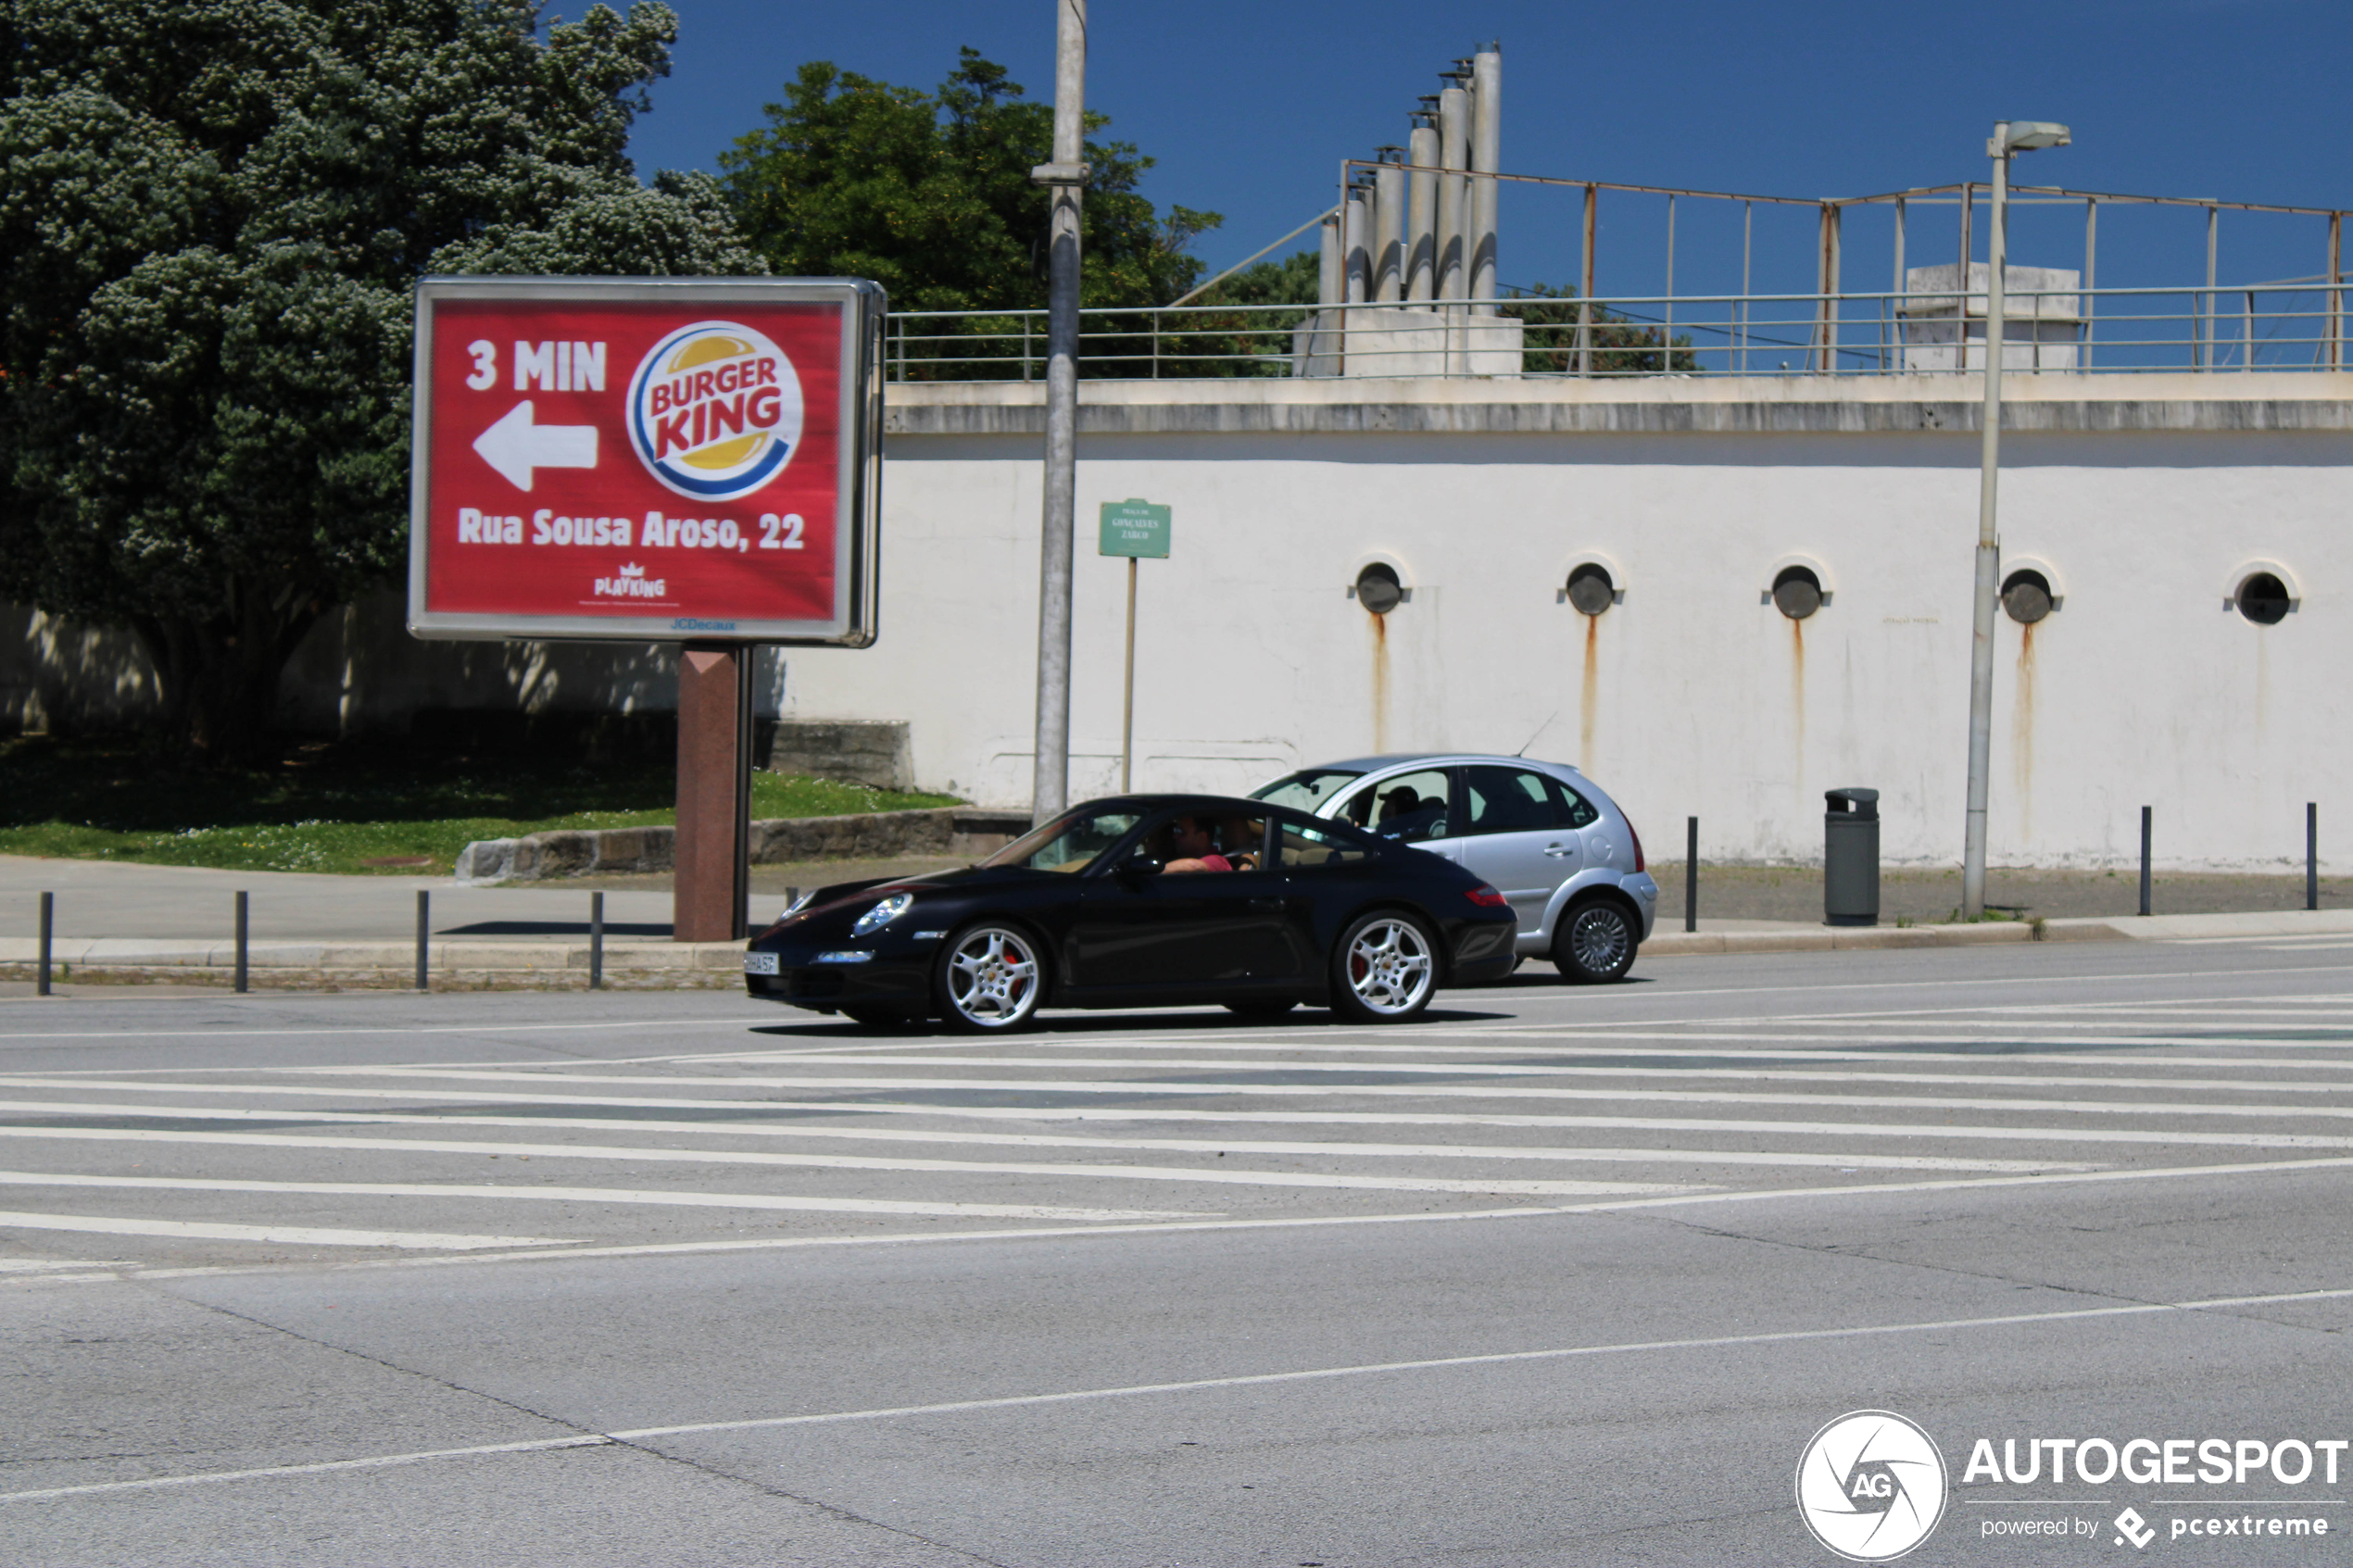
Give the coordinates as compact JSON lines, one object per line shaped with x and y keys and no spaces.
{"x":852,"y":1163}
{"x":1209,"y":1385}
{"x":621,"y":1194}
{"x":1571,"y":1070}
{"x":1439,"y":1119}
{"x":1456,"y":1216}
{"x":1449,"y":1091}
{"x":53,"y":1265}
{"x":1031,"y":1140}
{"x":278,"y":1471}
{"x":288,"y":1235}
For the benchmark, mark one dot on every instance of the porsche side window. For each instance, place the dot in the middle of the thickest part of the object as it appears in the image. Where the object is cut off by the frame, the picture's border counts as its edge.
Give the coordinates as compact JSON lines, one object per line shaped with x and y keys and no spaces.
{"x":1068,"y":843}
{"x":1410,"y":808}
{"x":1301,"y":847}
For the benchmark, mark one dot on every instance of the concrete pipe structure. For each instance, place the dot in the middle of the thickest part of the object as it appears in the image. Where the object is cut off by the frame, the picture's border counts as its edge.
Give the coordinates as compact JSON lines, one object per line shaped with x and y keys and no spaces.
{"x":1328,"y":283}
{"x":1357,"y":246}
{"x":1487,"y":156}
{"x":1453,"y":148}
{"x":1421,"y":217}
{"x":1389,"y":233}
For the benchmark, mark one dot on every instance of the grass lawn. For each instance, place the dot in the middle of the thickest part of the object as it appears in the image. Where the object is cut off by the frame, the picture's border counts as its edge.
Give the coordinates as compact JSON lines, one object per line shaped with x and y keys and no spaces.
{"x":346,"y":806}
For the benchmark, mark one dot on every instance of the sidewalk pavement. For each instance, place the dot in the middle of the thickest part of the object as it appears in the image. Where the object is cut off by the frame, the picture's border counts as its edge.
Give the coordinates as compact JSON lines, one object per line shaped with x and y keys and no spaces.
{"x":118,"y":921}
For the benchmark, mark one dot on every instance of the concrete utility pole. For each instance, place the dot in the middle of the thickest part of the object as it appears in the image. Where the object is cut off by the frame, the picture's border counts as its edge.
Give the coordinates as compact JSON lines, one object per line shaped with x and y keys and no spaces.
{"x":2007,"y":138}
{"x":1065,"y":177}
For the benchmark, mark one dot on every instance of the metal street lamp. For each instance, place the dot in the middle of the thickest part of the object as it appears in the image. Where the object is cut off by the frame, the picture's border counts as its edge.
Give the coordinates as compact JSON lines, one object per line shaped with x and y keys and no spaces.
{"x":2009,"y":136}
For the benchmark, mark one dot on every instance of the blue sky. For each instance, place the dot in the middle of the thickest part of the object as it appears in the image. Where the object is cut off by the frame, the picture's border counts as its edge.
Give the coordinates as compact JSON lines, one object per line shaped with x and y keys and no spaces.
{"x":1249,"y":108}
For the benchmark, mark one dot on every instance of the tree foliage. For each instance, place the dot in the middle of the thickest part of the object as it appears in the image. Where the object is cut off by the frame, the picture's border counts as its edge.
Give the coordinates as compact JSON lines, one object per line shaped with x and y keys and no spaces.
{"x":929,"y":195}
{"x":213,"y":217}
{"x":1619,"y":344}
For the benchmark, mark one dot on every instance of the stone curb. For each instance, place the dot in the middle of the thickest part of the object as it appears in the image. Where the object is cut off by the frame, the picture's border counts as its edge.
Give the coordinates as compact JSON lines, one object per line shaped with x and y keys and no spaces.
{"x":869,"y":835}
{"x":1844,"y":939}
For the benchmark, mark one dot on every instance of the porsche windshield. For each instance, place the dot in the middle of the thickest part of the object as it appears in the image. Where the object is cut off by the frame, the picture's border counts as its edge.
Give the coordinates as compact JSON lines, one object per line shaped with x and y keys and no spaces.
{"x":1069,"y":843}
{"x":1307,"y":789}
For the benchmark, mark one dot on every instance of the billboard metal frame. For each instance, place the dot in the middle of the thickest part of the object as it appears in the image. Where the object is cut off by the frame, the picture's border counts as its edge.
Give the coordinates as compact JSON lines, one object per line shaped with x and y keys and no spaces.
{"x":858,"y":507}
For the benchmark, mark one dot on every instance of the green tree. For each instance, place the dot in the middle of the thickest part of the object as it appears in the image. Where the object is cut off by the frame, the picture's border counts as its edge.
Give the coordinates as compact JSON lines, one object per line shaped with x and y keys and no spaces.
{"x":929,"y":195}
{"x":1620,"y":345}
{"x":212,"y":220}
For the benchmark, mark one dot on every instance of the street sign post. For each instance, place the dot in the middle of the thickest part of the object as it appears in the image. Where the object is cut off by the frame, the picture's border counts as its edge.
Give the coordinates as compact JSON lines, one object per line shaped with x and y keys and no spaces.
{"x":1138,"y":530}
{"x":689,"y":461}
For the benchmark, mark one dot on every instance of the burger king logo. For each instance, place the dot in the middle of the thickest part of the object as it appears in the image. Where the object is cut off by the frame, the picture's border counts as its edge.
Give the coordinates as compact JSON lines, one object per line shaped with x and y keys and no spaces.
{"x":714,"y":410}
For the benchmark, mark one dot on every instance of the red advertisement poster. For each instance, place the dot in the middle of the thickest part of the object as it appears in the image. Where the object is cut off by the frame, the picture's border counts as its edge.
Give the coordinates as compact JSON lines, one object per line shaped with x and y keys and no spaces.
{"x":685,"y":464}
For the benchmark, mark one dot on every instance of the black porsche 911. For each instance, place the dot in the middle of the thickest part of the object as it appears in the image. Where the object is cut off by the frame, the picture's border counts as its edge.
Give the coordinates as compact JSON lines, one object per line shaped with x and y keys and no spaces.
{"x":1145,"y":901}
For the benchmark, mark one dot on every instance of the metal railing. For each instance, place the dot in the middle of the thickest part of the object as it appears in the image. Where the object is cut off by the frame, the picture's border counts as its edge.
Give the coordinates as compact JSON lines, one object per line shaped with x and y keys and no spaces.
{"x":2295,"y":326}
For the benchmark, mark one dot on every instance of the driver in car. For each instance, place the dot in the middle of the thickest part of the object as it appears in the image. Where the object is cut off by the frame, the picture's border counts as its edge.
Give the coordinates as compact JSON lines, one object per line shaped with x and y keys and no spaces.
{"x":1193,"y":842}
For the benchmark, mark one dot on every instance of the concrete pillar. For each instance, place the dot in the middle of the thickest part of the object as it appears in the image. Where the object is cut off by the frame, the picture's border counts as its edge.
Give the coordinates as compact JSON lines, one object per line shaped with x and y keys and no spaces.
{"x":1453,"y":148}
{"x":1389,"y":232}
{"x":1328,"y":285}
{"x":1357,"y":247}
{"x":714,"y":783}
{"x":1421,"y":216}
{"x":1487,"y":154}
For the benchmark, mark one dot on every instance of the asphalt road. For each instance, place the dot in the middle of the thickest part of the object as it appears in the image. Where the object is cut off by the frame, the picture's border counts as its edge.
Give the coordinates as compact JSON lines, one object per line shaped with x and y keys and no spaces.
{"x":1558,"y":1276}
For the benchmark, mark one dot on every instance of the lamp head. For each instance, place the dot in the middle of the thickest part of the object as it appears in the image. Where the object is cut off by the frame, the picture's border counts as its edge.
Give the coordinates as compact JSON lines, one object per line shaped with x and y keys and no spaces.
{"x":2025,"y":135}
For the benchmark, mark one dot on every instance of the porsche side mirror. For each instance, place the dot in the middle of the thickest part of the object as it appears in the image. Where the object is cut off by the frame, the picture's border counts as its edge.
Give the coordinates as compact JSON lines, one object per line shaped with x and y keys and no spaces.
{"x":1140,"y":867}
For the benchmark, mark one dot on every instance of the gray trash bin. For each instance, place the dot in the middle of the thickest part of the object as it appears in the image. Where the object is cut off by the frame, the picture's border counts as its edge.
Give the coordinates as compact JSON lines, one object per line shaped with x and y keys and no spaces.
{"x":1850,"y":857}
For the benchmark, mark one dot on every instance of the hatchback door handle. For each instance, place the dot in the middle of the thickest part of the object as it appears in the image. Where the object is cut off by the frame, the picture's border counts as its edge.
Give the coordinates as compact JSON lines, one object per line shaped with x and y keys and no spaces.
{"x":1558,"y":850}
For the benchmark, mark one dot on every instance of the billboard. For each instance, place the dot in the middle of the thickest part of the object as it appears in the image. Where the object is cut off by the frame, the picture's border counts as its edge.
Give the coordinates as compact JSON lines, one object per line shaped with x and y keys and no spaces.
{"x":663,"y":460}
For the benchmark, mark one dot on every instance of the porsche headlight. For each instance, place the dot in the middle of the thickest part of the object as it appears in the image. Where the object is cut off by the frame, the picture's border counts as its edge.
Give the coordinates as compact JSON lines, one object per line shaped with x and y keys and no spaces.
{"x":882,"y":914}
{"x":800,"y":900}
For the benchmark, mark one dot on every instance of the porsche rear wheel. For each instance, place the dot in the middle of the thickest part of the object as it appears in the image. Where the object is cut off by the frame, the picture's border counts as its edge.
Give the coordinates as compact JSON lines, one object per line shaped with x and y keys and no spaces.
{"x":989,"y":979}
{"x":1384,"y":968}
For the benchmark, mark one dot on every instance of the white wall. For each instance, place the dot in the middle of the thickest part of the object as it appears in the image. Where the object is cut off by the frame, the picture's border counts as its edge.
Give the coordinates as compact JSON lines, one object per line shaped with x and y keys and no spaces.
{"x":1691,"y":697}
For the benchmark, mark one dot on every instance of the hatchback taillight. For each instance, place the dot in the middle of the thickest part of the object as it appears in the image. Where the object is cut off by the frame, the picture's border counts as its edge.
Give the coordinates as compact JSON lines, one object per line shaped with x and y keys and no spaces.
{"x":1638,"y":866}
{"x":1487,"y":898}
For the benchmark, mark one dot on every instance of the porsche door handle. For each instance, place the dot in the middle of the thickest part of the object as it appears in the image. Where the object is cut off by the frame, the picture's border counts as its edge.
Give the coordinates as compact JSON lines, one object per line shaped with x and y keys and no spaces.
{"x":1266,"y":903}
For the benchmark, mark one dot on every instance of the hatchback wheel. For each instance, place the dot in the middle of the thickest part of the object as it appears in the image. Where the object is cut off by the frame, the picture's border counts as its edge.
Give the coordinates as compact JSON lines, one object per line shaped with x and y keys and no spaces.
{"x":1596,"y":943}
{"x":989,"y":979}
{"x":1384,"y":968}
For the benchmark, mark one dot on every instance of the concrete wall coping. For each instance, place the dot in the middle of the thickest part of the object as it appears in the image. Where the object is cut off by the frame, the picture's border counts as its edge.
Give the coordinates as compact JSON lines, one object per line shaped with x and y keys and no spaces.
{"x":1658,"y":405}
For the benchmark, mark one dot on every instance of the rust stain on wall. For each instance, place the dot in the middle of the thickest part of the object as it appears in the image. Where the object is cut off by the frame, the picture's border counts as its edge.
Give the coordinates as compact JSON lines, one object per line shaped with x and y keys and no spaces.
{"x":2022,"y":732}
{"x":1797,"y":702}
{"x":1380,"y":680}
{"x":1588,"y":694}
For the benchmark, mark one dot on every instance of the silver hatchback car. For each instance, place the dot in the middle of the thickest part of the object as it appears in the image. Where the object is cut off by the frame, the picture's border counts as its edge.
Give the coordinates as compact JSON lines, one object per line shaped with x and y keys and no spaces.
{"x":1541,"y":832}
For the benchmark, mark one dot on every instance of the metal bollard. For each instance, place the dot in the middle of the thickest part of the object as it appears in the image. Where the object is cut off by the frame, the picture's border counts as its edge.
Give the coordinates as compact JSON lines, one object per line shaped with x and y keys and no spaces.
{"x":595,"y":941}
{"x":239,"y":982}
{"x":2144,"y":859}
{"x":48,"y":928}
{"x":1691,"y":874}
{"x":2311,"y":854}
{"x":424,"y":932}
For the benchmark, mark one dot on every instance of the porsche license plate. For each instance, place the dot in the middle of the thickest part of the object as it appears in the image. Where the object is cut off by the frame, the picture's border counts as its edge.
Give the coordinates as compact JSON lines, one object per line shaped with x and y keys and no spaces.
{"x":760,"y":963}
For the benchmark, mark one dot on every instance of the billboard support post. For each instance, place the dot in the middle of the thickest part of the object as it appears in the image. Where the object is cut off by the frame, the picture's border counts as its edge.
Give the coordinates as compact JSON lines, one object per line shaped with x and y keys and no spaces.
{"x":714,"y":788}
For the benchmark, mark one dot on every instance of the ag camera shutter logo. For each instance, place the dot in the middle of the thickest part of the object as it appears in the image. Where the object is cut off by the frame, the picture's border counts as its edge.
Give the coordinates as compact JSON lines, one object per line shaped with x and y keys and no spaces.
{"x":714,"y":410}
{"x":1871,"y":1486}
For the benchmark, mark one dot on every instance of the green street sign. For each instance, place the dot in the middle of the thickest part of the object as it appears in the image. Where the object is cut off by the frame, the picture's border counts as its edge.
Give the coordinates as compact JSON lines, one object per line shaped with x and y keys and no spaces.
{"x":1134,"y":528}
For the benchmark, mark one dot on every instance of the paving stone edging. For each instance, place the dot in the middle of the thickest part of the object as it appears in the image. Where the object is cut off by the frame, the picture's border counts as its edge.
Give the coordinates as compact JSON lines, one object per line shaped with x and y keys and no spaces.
{"x":866,"y":836}
{"x":490,"y":965}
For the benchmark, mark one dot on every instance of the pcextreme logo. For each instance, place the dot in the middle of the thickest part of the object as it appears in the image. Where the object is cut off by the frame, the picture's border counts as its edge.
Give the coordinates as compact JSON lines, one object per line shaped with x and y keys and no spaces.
{"x":1871,"y":1486}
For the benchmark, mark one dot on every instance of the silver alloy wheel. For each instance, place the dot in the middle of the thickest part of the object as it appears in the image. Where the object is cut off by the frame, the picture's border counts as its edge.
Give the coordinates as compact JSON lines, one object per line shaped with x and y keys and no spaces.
{"x":1600,"y":940}
{"x":991,"y":978}
{"x":1389,"y":966}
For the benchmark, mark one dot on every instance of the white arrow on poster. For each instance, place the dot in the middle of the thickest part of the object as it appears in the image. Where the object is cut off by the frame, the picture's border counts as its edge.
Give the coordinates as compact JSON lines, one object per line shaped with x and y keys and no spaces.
{"x":514,"y":446}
